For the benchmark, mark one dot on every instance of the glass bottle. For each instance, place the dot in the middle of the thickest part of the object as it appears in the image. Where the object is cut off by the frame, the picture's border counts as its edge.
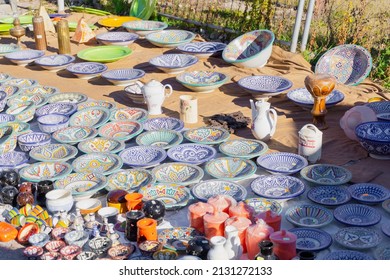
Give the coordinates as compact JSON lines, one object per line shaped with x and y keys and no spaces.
{"x":266,"y":251}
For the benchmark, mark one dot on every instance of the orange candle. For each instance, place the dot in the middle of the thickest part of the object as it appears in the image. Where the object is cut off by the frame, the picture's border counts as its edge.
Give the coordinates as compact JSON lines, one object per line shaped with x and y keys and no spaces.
{"x":134,"y":201}
{"x":254,"y":235}
{"x":222,"y":202}
{"x":147,"y":230}
{"x":196,"y":212}
{"x":214,"y":224}
{"x":272,"y":219}
{"x":241,"y":223}
{"x":241,"y":210}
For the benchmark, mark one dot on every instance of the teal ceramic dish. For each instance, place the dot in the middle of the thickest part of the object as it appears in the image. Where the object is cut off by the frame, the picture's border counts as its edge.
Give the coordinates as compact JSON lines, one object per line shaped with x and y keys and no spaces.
{"x":243,"y":148}
{"x":160,"y":138}
{"x":101,"y":145}
{"x":207,"y":135}
{"x":202,"y":81}
{"x":74,"y":134}
{"x":99,"y":163}
{"x":227,"y":168}
{"x":38,"y":99}
{"x":53,"y":152}
{"x":326,"y":174}
{"x":23,"y":112}
{"x":90,"y":116}
{"x":178,"y":173}
{"x":20,"y":127}
{"x":10,"y":90}
{"x":41,"y":171}
{"x":96,"y":103}
{"x":170,"y":38}
{"x":129,"y":114}
{"x":67,"y":97}
{"x":130,"y":180}
{"x":121,"y":130}
{"x":8,"y":138}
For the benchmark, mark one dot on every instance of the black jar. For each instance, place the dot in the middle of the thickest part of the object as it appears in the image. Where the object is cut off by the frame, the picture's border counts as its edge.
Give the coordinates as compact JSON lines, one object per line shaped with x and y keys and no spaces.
{"x":43,"y":187}
{"x":9,"y":194}
{"x":198,"y":246}
{"x":131,"y":229}
{"x":154,"y":209}
{"x":9,"y":177}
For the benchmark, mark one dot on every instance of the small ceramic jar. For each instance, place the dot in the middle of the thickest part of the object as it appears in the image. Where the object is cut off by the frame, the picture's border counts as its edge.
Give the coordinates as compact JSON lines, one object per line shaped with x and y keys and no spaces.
{"x":9,"y":194}
{"x":59,"y":200}
{"x":154,"y":209}
{"x":24,"y":198}
{"x":9,"y":177}
{"x":147,"y":230}
{"x":27,"y":187}
{"x":148,"y":247}
{"x":116,"y":199}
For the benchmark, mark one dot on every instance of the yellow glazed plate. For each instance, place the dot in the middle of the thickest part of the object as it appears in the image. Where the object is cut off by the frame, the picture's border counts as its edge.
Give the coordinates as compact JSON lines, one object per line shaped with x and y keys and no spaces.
{"x":116,"y":21}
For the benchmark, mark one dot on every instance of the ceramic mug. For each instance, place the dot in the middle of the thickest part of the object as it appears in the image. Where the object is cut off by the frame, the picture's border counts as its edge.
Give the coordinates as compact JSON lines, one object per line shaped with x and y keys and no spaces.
{"x":188,"y":108}
{"x":134,"y":201}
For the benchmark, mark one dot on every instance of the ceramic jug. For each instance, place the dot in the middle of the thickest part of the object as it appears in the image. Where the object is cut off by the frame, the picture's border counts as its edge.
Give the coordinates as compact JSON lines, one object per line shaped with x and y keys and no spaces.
{"x":217,"y":251}
{"x":233,"y":244}
{"x":264,"y":120}
{"x":310,"y":143}
{"x":154,"y":94}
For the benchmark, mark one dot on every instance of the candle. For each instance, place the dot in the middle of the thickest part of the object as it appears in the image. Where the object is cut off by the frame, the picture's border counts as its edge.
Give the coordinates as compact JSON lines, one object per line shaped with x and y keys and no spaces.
{"x":284,"y":244}
{"x":222,"y":202}
{"x":214,"y":224}
{"x":196,"y":212}
{"x":241,"y":210}
{"x":271,"y":218}
{"x":241,"y":223}
{"x":254,"y":235}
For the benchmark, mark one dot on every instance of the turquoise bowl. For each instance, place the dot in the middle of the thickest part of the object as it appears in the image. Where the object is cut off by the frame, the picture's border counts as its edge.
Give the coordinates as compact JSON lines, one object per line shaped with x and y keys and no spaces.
{"x":202,"y":81}
{"x":101,"y":145}
{"x":160,"y":138}
{"x":178,"y":173}
{"x":170,"y":38}
{"x":74,"y":134}
{"x":228,"y":168}
{"x":243,"y":148}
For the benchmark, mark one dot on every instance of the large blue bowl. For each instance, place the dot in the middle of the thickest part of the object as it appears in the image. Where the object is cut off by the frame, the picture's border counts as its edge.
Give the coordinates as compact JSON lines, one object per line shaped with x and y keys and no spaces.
{"x":375,"y":138}
{"x":357,"y":215}
{"x":278,"y":186}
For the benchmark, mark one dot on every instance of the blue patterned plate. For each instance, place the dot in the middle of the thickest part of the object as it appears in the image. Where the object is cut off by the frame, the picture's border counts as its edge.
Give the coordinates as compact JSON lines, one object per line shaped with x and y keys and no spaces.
{"x":358,"y":238}
{"x":173,"y":63}
{"x":369,"y":193}
{"x":312,"y":216}
{"x":129,"y":114}
{"x":13,"y":159}
{"x":54,"y":62}
{"x":101,"y":145}
{"x":96,"y":103}
{"x":386,"y":205}
{"x":163,"y":123}
{"x":86,"y":70}
{"x":375,"y":138}
{"x":227,"y":168}
{"x":144,"y":27}
{"x":207,"y":135}
{"x":178,"y":173}
{"x":326,"y":174}
{"x":260,"y":205}
{"x":10,"y":90}
{"x":347,"y":255}
{"x":143,"y":156}
{"x":282,"y":163}
{"x":329,"y":195}
{"x":277,"y":186}
{"x":66,"y":109}
{"x":192,"y":153}
{"x":379,"y":107}
{"x":41,"y":171}
{"x":123,"y":77}
{"x":53,"y":152}
{"x":357,"y":215}
{"x":206,"y":189}
{"x":303,"y":98}
{"x":74,"y":134}
{"x":311,"y":239}
{"x":121,"y":130}
{"x":202,"y":49}
{"x":8,"y":48}
{"x":265,"y":85}
{"x":117,"y":38}
{"x":24,"y":57}
{"x":160,"y":138}
{"x":202,"y":81}
{"x":90,"y":116}
{"x":170,"y":38}
{"x":99,"y":163}
{"x":67,"y":97}
{"x":5,"y":118}
{"x":3,"y":100}
{"x":130,"y":180}
{"x":243,"y":148}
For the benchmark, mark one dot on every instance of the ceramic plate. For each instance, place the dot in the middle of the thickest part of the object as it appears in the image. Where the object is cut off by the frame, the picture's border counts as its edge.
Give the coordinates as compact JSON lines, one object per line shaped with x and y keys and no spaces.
{"x":124,"y":76}
{"x":202,"y":49}
{"x":66,"y":109}
{"x":170,"y":38}
{"x":54,"y":62}
{"x":260,"y":204}
{"x":104,"y":54}
{"x":347,"y":255}
{"x":91,"y":116}
{"x":116,"y":38}
{"x":202,"y":81}
{"x":192,"y":153}
{"x":312,"y":216}
{"x":173,"y":63}
{"x":41,"y":171}
{"x":207,"y":135}
{"x":326,"y":174}
{"x":67,"y":97}
{"x":243,"y":148}
{"x":268,"y":85}
{"x":74,"y":134}
{"x":130,"y":180}
{"x":386,"y":205}
{"x":380,"y":107}
{"x":143,"y":156}
{"x":44,"y":90}
{"x":227,"y":168}
{"x":163,"y":123}
{"x":6,"y":48}
{"x":10,"y":90}
{"x":13,"y":159}
{"x":82,"y":185}
{"x":101,"y":145}
{"x":303,"y":98}
{"x":38,"y":99}
{"x":178,"y":173}
{"x":116,"y":21}
{"x":121,"y":130}
{"x":22,"y":83}
{"x":282,"y":163}
{"x":357,"y":215}
{"x":160,"y":138}
{"x":358,"y":238}
{"x":206,"y":189}
{"x":53,"y":152}
{"x":369,"y":193}
{"x":129,"y":114}
{"x":311,"y":239}
{"x":277,"y":186}
{"x":86,"y":70}
{"x":99,"y":163}
{"x":96,"y":103}
{"x":329,"y":195}
{"x":172,"y":195}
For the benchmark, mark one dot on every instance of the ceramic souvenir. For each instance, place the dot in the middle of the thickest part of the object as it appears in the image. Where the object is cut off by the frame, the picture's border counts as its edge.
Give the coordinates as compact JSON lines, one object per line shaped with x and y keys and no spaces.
{"x":121,"y":130}
{"x":101,"y":145}
{"x":202,"y":81}
{"x":178,"y":173}
{"x":59,"y":200}
{"x":66,"y":109}
{"x":207,"y":135}
{"x":96,"y":103}
{"x":206,"y":189}
{"x":170,"y":38}
{"x":310,"y":143}
{"x":116,"y":38}
{"x":23,"y":111}
{"x":263,"y":125}
{"x":227,"y":168}
{"x":326,"y":174}
{"x":329,"y":195}
{"x":202,"y":49}
{"x":261,"y":205}
{"x":160,"y":138}
{"x":154,"y":94}
{"x":67,"y":97}
{"x":277,"y":186}
{"x":86,"y":70}
{"x":173,"y":63}
{"x":166,"y":123}
{"x":312,"y":239}
{"x":52,"y":122}
{"x":129,"y":114}
{"x":22,"y":83}
{"x":130,"y":180}
{"x":309,"y":216}
{"x":303,"y":98}
{"x":369,"y":193}
{"x":31,"y":140}
{"x":264,"y":86}
{"x":123,"y":77}
{"x":100,"y":163}
{"x":357,"y":215}
{"x":143,"y":156}
{"x":53,"y":152}
{"x":192,"y":153}
{"x":55,"y":62}
{"x":358,"y":238}
{"x":24,"y":57}
{"x":282,"y":163}
{"x":92,"y":116}
{"x":375,"y":138}
{"x":144,"y":27}
{"x":74,"y":134}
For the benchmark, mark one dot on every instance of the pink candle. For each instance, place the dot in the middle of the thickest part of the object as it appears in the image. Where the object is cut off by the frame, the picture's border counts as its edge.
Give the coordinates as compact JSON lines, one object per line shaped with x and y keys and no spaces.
{"x":272,"y":219}
{"x":284,"y":244}
{"x":222,"y":202}
{"x":254,"y":235}
{"x":241,"y":223}
{"x":241,"y":210}
{"x":196,"y":212}
{"x":214,"y":224}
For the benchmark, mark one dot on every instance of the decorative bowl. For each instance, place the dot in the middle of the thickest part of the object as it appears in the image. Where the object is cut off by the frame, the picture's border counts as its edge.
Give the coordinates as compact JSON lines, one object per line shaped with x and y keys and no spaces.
{"x":13,"y":159}
{"x":148,"y":247}
{"x":70,"y":252}
{"x":74,"y":134}
{"x":133,"y":91}
{"x":202,"y":81}
{"x":77,"y":237}
{"x":120,"y":252}
{"x":24,"y":57}
{"x":369,"y":193}
{"x":67,"y":97}
{"x":160,"y":138}
{"x":123,"y":77}
{"x":130,"y":180}
{"x":243,"y":148}
{"x":31,"y":140}
{"x":96,"y":103}
{"x":53,"y":152}
{"x":87,"y":256}
{"x":312,"y":239}
{"x":282,"y":163}
{"x":251,"y":50}
{"x":303,"y":98}
{"x":21,"y":83}
{"x":383,"y":116}
{"x":86,"y":70}
{"x":173,"y":196}
{"x":55,"y":62}
{"x":260,"y":205}
{"x":116,"y":38}
{"x":357,"y":215}
{"x":227,"y":168}
{"x":82,"y":185}
{"x":349,"y":64}
{"x":144,"y":27}
{"x":44,"y":90}
{"x":59,"y":233}
{"x":7,"y":48}
{"x":166,"y":123}
{"x":121,"y":130}
{"x":329,"y":195}
{"x":41,"y":171}
{"x":358,"y":238}
{"x":101,"y":145}
{"x":92,"y":116}
{"x":206,"y":189}
{"x":23,"y":111}
{"x":173,"y":63}
{"x":386,"y":205}
{"x":191,"y":153}
{"x":59,"y":200}
{"x":178,"y":173}
{"x":52,"y":122}
{"x":10,"y":90}
{"x":313,"y":216}
{"x":375,"y":138}
{"x":170,"y":38}
{"x":39,"y":239}
{"x":99,"y":163}
{"x":207,"y":135}
{"x":164,"y":255}
{"x":55,"y":245}
{"x":89,"y":205}
{"x":100,"y":245}
{"x":38,"y":99}
{"x":169,"y":235}
{"x":143,"y":156}
{"x":5,"y":118}
{"x":33,"y":252}
{"x":20,"y":127}
{"x":347,"y":255}
{"x":129,"y":114}
{"x":202,"y":49}
{"x":8,"y":138}
{"x":326,"y":174}
{"x":278,"y":186}
{"x":66,"y":109}
{"x":264,"y":85}
{"x":378,"y":107}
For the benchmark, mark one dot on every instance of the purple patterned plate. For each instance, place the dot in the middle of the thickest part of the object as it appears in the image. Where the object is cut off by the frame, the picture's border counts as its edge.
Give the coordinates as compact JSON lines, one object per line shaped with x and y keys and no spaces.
{"x":265,"y":85}
{"x":163,"y":123}
{"x":357,"y":215}
{"x":173,"y":63}
{"x":86,"y":70}
{"x":143,"y":156}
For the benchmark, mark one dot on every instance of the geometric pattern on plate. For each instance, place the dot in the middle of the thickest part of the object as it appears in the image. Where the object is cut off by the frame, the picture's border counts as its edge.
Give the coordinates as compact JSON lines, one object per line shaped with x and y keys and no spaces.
{"x":99,"y":163}
{"x":130,"y":180}
{"x":264,"y":84}
{"x":74,"y":134}
{"x":10,"y":90}
{"x":61,"y":108}
{"x":277,"y":186}
{"x":379,"y":107}
{"x":311,"y":239}
{"x":173,"y":61}
{"x":326,"y":174}
{"x":230,"y":168}
{"x":329,"y":195}
{"x":96,"y":103}
{"x":243,"y":148}
{"x":170,"y":38}
{"x":309,"y":216}
{"x":202,"y":47}
{"x":129,"y":114}
{"x":37,"y":98}
{"x":347,"y":255}
{"x":86,"y":68}
{"x":45,"y":171}
{"x":358,"y":238}
{"x":260,"y":204}
{"x":143,"y":156}
{"x":22,"y":83}
{"x":121,"y":130}
{"x":160,"y":138}
{"x":13,"y":159}
{"x":53,"y":152}
{"x":163,"y":123}
{"x":192,"y":153}
{"x":67,"y":97}
{"x":207,"y":135}
{"x":369,"y":193}
{"x":282,"y":163}
{"x":54,"y":60}
{"x":90,"y":116}
{"x":178,"y":173}
{"x":101,"y":145}
{"x":206,"y":189}
{"x":357,"y":215}
{"x":302,"y":97}
{"x":82,"y":184}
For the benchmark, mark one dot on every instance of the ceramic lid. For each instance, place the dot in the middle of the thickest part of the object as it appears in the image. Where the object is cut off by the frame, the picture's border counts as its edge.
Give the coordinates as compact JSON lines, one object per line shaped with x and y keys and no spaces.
{"x":216,"y":218}
{"x":201,"y":208}
{"x":241,"y":223}
{"x":153,"y":83}
{"x":283,"y":237}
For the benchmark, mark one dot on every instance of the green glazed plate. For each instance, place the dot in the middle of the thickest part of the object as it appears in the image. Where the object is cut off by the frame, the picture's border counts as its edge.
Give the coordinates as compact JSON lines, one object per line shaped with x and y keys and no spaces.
{"x":23,"y":20}
{"x":5,"y":27}
{"x":104,"y":53}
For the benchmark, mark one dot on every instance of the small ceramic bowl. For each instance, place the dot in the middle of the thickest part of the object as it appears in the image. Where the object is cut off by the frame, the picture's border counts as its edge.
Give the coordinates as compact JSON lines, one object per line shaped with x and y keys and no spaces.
{"x":55,"y":62}
{"x":31,"y":140}
{"x":329,"y":195}
{"x":202,"y":49}
{"x":173,"y":63}
{"x":309,"y":216}
{"x":87,"y":256}
{"x":166,"y":123}
{"x":123,"y":77}
{"x":227,"y":168}
{"x":58,"y":233}
{"x":67,"y":97}
{"x":129,"y":114}
{"x":121,"y":130}
{"x":369,"y":193}
{"x":92,"y":116}
{"x":160,"y":138}
{"x":243,"y":148}
{"x":24,"y":57}
{"x":326,"y":174}
{"x":55,"y":245}
{"x":26,"y":231}
{"x":304,"y":99}
{"x":88,"y":206}
{"x":96,"y":103}
{"x":120,"y":252}
{"x":357,"y":215}
{"x":33,"y":252}
{"x":165,"y":254}
{"x":378,"y":107}
{"x":130,"y":180}
{"x":101,"y":145}
{"x":133,"y":92}
{"x":4,"y":118}
{"x":23,"y":111}
{"x":202,"y":81}
{"x":262,"y":86}
{"x":100,"y":163}
{"x":74,"y":134}
{"x":192,"y":153}
{"x":86,"y":70}
{"x":148,"y":247}
{"x":117,"y":38}
{"x":52,"y":122}
{"x":312,"y":239}
{"x":282,"y":163}
{"x":375,"y":138}
{"x":143,"y":156}
{"x":77,"y":237}
{"x":144,"y":27}
{"x":53,"y":152}
{"x":13,"y":159}
{"x":207,"y":135}
{"x":59,"y":200}
{"x":100,"y":245}
{"x":66,"y":109}
{"x":39,"y":239}
{"x":209,"y":188}
{"x":170,"y":38}
{"x":70,"y":252}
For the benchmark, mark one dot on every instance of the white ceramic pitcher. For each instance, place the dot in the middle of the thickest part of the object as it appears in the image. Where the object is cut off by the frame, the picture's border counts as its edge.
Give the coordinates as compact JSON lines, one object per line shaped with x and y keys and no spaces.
{"x":310,"y":143}
{"x":154,"y":94}
{"x":264,"y":120}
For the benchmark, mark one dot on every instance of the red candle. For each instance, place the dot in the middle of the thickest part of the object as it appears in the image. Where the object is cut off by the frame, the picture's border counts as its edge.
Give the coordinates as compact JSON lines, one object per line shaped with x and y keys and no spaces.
{"x":254,"y":235}
{"x":214,"y":224}
{"x":222,"y":202}
{"x":271,"y":218}
{"x":284,"y":244}
{"x":241,"y":223}
{"x":241,"y":210}
{"x":196,"y":212}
